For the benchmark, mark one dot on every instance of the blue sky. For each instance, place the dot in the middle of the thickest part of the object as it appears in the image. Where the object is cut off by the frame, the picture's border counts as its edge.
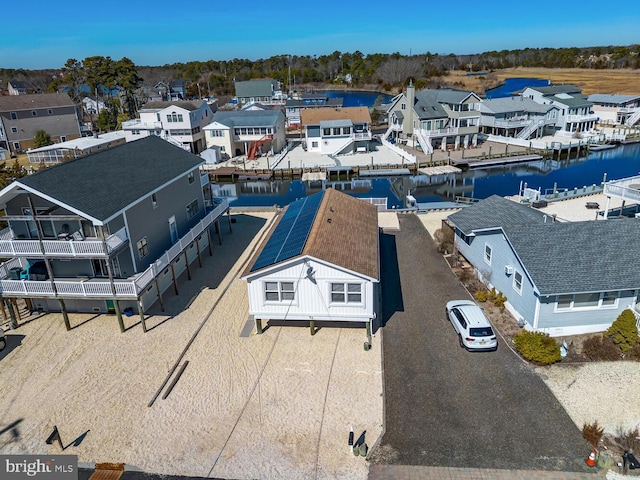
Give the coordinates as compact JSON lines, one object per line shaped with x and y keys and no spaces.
{"x":162,"y":32}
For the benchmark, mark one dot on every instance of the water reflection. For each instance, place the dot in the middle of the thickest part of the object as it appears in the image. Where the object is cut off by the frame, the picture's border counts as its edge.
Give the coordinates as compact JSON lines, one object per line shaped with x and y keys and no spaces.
{"x":477,"y":183}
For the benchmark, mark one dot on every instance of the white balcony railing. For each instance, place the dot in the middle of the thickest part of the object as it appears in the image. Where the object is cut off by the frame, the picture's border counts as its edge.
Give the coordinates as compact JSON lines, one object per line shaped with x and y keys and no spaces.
{"x":441,"y":132}
{"x":581,"y":118}
{"x":10,"y":247}
{"x":98,"y":287}
{"x":626,"y":189}
{"x":137,"y":124}
{"x":515,"y":123}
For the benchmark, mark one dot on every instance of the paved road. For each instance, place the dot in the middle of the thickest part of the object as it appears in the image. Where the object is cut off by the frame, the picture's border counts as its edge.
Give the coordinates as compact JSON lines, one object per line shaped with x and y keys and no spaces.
{"x":445,"y":406}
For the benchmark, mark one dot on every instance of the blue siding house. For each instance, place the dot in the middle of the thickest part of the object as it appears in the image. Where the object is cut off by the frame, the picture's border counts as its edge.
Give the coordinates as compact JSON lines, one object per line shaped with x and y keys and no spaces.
{"x":561,"y":278}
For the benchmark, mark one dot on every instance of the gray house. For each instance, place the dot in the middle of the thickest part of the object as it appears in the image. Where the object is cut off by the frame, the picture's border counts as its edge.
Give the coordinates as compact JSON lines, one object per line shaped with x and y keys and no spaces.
{"x":559,"y":278}
{"x":518,"y":117}
{"x":106,"y":232}
{"x":259,"y":90}
{"x":21,"y":116}
{"x":435,"y":118}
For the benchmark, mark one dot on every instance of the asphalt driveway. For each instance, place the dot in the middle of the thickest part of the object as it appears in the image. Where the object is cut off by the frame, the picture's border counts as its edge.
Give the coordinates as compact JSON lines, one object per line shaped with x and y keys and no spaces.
{"x":445,"y":406}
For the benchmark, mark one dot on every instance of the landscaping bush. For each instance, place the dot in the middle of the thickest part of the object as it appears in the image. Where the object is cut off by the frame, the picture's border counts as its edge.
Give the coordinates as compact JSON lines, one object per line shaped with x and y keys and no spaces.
{"x":600,"y":348}
{"x":537,"y":347}
{"x":592,"y":433}
{"x":624,"y":331}
{"x":481,"y":296}
{"x":633,"y":354}
{"x":444,"y":238}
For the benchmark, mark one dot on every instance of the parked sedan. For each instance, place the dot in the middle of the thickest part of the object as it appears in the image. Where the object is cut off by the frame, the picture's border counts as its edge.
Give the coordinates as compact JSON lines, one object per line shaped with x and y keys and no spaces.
{"x":473,"y":329}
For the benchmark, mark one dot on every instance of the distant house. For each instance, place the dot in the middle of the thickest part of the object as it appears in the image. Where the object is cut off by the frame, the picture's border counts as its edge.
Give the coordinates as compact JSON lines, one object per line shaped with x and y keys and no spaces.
{"x":179,"y":121}
{"x":261,"y":91}
{"x":561,"y":278}
{"x":517,"y":117}
{"x":306,"y":269}
{"x":92,"y":107}
{"x":238,"y":132}
{"x":79,"y":147}
{"x":17,"y":88}
{"x":168,"y":91}
{"x":575,"y":110}
{"x":106,"y":232}
{"x":334,"y":131}
{"x":435,"y":118}
{"x":21,"y":116}
{"x":293,"y":106}
{"x":616,"y":109}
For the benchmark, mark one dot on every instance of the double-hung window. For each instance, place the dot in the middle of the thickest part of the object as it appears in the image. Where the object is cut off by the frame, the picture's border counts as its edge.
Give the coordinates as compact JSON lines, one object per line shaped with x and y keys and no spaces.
{"x":346,"y":292}
{"x":279,"y":291}
{"x":487,"y":253}
{"x":517,"y":282}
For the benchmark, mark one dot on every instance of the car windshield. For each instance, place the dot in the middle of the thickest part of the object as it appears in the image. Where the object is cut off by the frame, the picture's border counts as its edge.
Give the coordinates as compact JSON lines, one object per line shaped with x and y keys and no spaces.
{"x":481,"y":332}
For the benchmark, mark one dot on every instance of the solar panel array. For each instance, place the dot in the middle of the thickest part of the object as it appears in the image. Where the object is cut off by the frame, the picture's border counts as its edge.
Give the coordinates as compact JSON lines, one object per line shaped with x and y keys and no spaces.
{"x":290,"y":236}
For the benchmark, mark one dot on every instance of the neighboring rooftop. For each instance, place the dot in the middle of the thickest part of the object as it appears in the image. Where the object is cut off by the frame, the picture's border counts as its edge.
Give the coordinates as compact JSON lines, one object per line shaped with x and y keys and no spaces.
{"x":190,"y":105}
{"x":513,"y":104}
{"x":313,"y":116}
{"x":247,"y":118}
{"x":615,"y":99}
{"x":39,"y":100}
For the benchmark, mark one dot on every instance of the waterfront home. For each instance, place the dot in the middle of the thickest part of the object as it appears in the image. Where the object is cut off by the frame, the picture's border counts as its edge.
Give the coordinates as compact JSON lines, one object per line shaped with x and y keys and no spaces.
{"x":293,"y":106}
{"x":615,"y":109}
{"x":443,"y":118}
{"x":21,"y":116}
{"x":336,"y":131}
{"x":575,"y":111}
{"x":561,"y":278}
{"x":180,"y":122}
{"x":259,"y":90}
{"x":517,"y":117}
{"x":107,"y":232}
{"x":246,"y":132}
{"x":16,"y":88}
{"x":319,"y":263}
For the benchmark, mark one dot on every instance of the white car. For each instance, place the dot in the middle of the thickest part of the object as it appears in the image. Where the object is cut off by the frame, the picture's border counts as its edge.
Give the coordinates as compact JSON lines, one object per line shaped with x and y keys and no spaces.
{"x":3,"y":341}
{"x":473,"y":329}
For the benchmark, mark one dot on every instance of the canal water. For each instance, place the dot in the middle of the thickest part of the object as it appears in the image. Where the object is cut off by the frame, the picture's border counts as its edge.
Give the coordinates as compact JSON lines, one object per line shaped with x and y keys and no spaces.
{"x":513,"y":85}
{"x":479,"y":183}
{"x":358,"y":99}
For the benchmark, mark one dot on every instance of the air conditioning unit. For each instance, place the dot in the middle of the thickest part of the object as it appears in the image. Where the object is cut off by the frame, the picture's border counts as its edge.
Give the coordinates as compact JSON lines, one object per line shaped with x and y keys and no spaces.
{"x":508,"y":270}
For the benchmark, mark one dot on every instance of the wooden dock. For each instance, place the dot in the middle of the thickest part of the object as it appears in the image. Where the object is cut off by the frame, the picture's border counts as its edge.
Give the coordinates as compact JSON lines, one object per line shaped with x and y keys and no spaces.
{"x":502,"y":161}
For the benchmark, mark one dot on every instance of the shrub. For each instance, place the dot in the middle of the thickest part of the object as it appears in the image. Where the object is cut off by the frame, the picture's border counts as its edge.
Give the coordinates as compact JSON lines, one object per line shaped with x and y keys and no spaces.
{"x":600,"y":348}
{"x":628,"y":439}
{"x":634,"y":353}
{"x":537,"y":347}
{"x":497,"y":298}
{"x":481,"y":296}
{"x":592,"y":433}
{"x":624,"y":331}
{"x":444,"y":238}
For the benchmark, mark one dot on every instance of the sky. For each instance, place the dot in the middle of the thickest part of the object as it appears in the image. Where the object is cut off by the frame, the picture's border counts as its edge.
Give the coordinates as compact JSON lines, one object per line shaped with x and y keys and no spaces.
{"x":163,"y":32}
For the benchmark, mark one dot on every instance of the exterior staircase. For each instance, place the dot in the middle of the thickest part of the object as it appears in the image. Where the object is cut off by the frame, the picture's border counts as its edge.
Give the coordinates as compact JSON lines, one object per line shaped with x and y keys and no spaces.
{"x":424,"y":142}
{"x":633,"y":119}
{"x":526,"y":132}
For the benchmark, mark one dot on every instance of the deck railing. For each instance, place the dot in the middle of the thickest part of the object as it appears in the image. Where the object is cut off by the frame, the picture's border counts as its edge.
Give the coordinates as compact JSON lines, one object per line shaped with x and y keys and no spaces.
{"x":10,"y":247}
{"x":79,"y":288}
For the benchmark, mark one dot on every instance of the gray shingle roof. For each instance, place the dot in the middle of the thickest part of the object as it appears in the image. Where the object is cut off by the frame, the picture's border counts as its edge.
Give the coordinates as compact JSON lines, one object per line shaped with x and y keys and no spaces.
{"x":495,"y":212}
{"x":428,"y":103}
{"x":190,"y":105}
{"x":102,"y":184}
{"x":513,"y":104}
{"x":575,"y":257}
{"x":555,"y":89}
{"x":256,"y":88}
{"x":248,"y":118}
{"x":611,"y":98}
{"x":571,"y":257}
{"x":29,"y":102}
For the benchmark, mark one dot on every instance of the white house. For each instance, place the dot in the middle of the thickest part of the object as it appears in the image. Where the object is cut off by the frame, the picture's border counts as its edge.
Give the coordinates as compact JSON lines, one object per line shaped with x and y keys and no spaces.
{"x":333,"y":131}
{"x":320,"y":263}
{"x":246,"y":132}
{"x":575,"y":111}
{"x":518,"y":117}
{"x":179,"y":121}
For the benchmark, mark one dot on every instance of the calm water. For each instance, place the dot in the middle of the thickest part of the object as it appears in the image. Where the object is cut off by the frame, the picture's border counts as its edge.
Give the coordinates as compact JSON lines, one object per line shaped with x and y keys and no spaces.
{"x":512,"y":85}
{"x":358,"y":99}
{"x":480,"y":183}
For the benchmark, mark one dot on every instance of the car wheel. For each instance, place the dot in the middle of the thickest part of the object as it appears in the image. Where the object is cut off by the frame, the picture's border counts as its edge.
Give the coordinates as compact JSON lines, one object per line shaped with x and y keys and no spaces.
{"x":460,"y":340}
{"x":3,"y":343}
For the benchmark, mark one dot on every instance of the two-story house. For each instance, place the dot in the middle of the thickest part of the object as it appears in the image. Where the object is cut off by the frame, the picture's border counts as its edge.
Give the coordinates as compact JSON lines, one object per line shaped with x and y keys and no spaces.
{"x":17,"y":88}
{"x":575,"y":111}
{"x":293,"y":106}
{"x":21,"y":116}
{"x":517,"y":117}
{"x":435,"y":118}
{"x":335,"y":131}
{"x":616,"y":109}
{"x":260,"y":90}
{"x":108,"y":232}
{"x":178,"y":121}
{"x":247,"y":132}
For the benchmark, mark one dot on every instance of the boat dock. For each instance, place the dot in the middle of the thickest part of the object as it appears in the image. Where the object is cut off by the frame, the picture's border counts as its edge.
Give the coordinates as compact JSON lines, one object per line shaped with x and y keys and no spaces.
{"x":502,"y":161}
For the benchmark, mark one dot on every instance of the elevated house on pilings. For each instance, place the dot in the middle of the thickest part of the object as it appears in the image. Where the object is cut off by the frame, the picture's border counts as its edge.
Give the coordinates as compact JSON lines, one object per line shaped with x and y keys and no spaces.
{"x":106,"y":233}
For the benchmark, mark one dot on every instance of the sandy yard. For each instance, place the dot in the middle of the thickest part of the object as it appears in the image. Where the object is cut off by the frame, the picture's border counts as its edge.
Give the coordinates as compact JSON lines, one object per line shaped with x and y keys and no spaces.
{"x":276,"y":405}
